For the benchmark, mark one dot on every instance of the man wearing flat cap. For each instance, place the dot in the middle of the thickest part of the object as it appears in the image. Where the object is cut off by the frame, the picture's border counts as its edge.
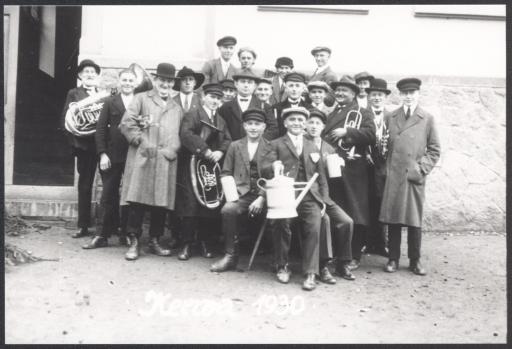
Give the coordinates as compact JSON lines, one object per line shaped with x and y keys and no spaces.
{"x":220,"y":68}
{"x":228,"y":90}
{"x":323,"y":71}
{"x":414,"y":150}
{"x":190,"y":81}
{"x":350,"y":130}
{"x":263,"y":92}
{"x":284,"y":65}
{"x":363,"y":80}
{"x":205,"y":135}
{"x":244,"y":163}
{"x":318,"y":90}
{"x":231,"y":112}
{"x":83,"y":147}
{"x":295,"y":84}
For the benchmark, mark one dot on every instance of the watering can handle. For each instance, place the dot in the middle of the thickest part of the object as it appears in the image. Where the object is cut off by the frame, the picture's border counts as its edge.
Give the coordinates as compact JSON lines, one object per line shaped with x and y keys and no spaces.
{"x":258,"y":183}
{"x":306,"y":189}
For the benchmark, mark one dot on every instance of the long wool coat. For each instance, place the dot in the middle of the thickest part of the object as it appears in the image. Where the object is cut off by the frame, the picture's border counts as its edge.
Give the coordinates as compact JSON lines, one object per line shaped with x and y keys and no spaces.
{"x":151,"y":181}
{"x":414,"y":149}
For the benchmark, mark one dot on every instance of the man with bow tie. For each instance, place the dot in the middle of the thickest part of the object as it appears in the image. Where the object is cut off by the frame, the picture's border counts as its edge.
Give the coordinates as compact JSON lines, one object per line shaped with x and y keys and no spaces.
{"x":350,"y":130}
{"x":295,"y":84}
{"x":414,"y":150}
{"x":83,"y":147}
{"x":231,"y":111}
{"x":284,"y":65}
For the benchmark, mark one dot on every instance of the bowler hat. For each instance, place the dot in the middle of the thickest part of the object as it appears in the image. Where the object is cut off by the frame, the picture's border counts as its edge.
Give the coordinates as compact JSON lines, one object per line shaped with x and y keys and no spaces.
{"x":363,"y":76}
{"x":214,"y":89}
{"x":284,"y":61}
{"x":199,"y":77}
{"x":317,"y":113}
{"x":247,"y":74}
{"x":88,"y":63}
{"x":228,"y":83}
{"x":295,"y":76}
{"x":318,"y":84}
{"x":320,"y":48}
{"x":166,"y":70}
{"x":226,"y":41}
{"x":378,"y":85}
{"x":347,"y":81}
{"x":294,"y":110}
{"x":408,"y":84}
{"x":253,"y":114}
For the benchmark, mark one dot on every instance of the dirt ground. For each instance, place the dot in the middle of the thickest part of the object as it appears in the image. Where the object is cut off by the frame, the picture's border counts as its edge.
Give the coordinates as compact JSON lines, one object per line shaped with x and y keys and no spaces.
{"x":95,"y":296}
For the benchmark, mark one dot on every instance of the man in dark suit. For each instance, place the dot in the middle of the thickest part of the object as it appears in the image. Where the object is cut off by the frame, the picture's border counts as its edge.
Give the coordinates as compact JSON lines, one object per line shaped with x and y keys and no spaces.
{"x":243,"y":161}
{"x":228,"y":90}
{"x":232,"y":111}
{"x":298,"y":158}
{"x":83,"y":147}
{"x":190,"y":81}
{"x":295,"y":86}
{"x":284,"y":65}
{"x":203,"y":134}
{"x":363,"y":80}
{"x":351,"y":140}
{"x":112,"y":147}
{"x":377,"y":94}
{"x":220,"y":68}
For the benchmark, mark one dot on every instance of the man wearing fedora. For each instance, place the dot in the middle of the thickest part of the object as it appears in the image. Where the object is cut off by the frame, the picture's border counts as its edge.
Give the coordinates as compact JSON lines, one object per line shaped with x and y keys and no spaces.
{"x":414,"y":150}
{"x":231,"y":112}
{"x":284,"y":65}
{"x":377,"y":95}
{"x":351,"y":140}
{"x":151,"y":126}
{"x":205,"y":135}
{"x":295,"y":84}
{"x":83,"y":147}
{"x":190,"y":81}
{"x":228,"y":90}
{"x":363,"y":80}
{"x":318,"y":90}
{"x":221,"y":68}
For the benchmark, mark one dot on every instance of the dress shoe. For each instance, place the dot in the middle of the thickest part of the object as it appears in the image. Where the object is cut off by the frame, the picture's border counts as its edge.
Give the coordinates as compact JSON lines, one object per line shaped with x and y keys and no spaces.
{"x":155,"y":248}
{"x":184,"y":253}
{"x":283,"y":274}
{"x":96,"y":242}
{"x":81,"y":233}
{"x":416,"y":267}
{"x":228,"y":262}
{"x":309,"y":283}
{"x":344,"y":271}
{"x":354,"y":264}
{"x":391,"y":266}
{"x":205,"y":250}
{"x":326,"y":276}
{"x":133,"y":251}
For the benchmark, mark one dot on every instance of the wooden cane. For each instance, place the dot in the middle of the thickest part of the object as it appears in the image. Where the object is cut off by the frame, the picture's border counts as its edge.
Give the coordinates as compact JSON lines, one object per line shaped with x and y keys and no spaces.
{"x":257,"y":244}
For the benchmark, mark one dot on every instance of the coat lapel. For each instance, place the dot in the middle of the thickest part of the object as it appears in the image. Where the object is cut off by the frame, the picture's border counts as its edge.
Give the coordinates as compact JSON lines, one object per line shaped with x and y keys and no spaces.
{"x":290,"y":145}
{"x":245,"y":153}
{"x":218,"y":69}
{"x":118,"y":104}
{"x":413,"y":119}
{"x":236,"y":109}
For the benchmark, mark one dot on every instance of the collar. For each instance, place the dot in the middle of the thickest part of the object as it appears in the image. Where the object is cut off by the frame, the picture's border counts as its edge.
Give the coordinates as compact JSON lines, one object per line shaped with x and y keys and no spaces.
{"x":294,"y":138}
{"x":248,"y":99}
{"x":413,"y":108}
{"x":291,"y":102}
{"x":319,"y":70}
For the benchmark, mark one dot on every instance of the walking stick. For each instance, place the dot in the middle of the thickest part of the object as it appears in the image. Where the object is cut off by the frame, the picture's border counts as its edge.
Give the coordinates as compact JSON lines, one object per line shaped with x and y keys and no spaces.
{"x":257,"y":244}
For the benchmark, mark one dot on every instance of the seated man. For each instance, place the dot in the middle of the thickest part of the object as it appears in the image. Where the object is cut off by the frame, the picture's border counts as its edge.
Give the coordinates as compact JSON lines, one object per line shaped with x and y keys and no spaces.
{"x":243,"y":161}
{"x":298,"y":157}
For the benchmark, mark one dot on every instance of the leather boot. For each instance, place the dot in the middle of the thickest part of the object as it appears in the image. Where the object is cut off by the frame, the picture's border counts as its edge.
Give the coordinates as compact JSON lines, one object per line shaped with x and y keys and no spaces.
{"x":133,"y":251}
{"x":230,"y":259}
{"x":205,"y":250}
{"x":155,"y":248}
{"x":184,"y":253}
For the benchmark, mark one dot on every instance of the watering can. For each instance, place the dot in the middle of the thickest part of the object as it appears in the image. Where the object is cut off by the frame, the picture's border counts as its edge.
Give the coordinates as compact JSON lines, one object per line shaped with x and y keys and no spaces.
{"x":280,"y":190}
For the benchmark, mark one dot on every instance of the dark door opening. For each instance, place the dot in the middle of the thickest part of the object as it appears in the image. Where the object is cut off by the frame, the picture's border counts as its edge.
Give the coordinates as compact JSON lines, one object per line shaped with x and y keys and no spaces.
{"x":47,"y":61}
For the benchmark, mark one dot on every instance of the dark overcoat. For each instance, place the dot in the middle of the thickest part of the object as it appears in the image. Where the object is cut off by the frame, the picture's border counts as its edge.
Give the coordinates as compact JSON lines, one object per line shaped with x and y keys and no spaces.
{"x":277,"y":109}
{"x":414,"y":149}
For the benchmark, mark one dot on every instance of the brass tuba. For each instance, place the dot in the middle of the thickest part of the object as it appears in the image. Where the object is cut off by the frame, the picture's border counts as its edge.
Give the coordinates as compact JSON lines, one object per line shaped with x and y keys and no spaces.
{"x":82,"y":116}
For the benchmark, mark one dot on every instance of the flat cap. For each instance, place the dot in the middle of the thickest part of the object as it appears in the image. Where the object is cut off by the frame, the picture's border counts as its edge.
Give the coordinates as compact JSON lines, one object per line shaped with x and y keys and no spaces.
{"x":408,"y":84}
{"x":214,"y":89}
{"x":295,"y":76}
{"x":294,"y":110}
{"x":226,"y":41}
{"x":318,"y":84}
{"x":253,"y":114}
{"x":284,"y":61}
{"x":363,"y":76}
{"x":227,"y":83}
{"x":319,"y":49}
{"x":318,"y":114}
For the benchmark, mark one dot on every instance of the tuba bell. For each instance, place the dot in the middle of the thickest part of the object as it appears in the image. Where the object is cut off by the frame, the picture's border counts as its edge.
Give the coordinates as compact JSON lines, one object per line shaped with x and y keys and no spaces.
{"x":82,"y":116}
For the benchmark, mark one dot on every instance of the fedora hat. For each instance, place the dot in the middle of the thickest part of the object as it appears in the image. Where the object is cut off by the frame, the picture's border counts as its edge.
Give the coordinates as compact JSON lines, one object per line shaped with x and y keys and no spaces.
{"x":189,"y":72}
{"x":88,"y":63}
{"x":378,"y":85}
{"x":347,"y":81}
{"x":246,"y":75}
{"x":166,"y":70}
{"x":363,"y":76}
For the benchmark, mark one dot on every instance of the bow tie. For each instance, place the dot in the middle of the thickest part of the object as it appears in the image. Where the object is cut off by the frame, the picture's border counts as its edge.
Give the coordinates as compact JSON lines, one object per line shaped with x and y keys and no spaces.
{"x":244,"y":99}
{"x":377,"y":112}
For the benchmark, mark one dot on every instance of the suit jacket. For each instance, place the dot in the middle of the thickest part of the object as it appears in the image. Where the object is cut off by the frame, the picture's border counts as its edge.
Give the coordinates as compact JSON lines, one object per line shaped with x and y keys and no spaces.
{"x":278,"y":93}
{"x":232,"y":114}
{"x":284,"y":150}
{"x":195,"y":103}
{"x":277,"y":110}
{"x":212,"y":71}
{"x":236,"y":163}
{"x":109,"y":139}
{"x":327,"y":75}
{"x":86,"y":143}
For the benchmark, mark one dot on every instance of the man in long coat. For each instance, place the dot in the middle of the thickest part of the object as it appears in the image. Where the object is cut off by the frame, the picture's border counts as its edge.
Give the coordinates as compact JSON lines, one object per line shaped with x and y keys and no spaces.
{"x":414,"y":149}
{"x":151,"y":126}
{"x":350,"y":191}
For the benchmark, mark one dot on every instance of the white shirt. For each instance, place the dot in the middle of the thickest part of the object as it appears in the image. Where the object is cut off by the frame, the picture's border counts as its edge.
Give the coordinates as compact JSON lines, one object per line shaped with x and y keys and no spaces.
{"x":183,"y":97}
{"x":209,"y":113}
{"x":243,"y":105}
{"x":225,"y":66}
{"x":126,"y":100}
{"x":318,"y":106}
{"x":362,"y":102}
{"x":413,"y":108}
{"x":318,"y":143}
{"x":297,"y":142}
{"x":252,"y":147}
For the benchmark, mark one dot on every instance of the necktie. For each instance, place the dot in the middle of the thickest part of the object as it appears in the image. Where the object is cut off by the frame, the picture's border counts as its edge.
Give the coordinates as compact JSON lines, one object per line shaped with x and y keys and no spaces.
{"x":298,"y":146}
{"x":408,"y":113}
{"x":187,"y":105}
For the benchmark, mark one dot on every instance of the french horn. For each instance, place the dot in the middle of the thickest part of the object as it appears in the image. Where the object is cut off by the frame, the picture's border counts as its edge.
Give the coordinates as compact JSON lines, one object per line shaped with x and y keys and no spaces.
{"x":82,"y":116}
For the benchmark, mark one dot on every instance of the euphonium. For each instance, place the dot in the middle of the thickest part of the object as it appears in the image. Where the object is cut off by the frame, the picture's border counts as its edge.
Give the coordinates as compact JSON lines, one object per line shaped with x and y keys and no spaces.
{"x":353,"y":119}
{"x":82,"y":116}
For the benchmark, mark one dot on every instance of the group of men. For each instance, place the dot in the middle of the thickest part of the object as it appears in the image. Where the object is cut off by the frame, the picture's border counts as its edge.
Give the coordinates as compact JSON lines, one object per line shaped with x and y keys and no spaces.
{"x":254,"y":128}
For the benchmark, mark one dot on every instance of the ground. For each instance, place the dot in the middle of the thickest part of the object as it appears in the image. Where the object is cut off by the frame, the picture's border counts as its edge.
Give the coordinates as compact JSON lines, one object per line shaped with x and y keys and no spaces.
{"x":95,"y":296}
